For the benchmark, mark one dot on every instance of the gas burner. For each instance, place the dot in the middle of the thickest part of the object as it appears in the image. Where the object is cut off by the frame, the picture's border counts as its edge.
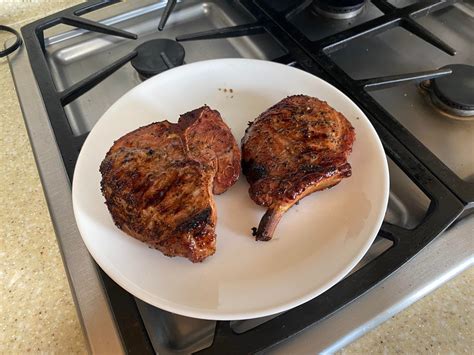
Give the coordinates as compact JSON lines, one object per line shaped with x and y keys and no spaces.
{"x":157,"y":56}
{"x":338,"y":9}
{"x":454,"y":94}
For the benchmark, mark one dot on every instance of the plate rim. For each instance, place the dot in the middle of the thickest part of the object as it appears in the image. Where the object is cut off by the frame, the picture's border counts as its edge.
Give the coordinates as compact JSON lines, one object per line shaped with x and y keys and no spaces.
{"x":207,"y":314}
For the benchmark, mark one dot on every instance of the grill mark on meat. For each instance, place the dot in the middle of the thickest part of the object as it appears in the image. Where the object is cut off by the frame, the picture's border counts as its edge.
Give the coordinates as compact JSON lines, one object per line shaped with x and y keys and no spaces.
{"x":155,"y":197}
{"x":196,"y":222}
{"x":309,"y":168}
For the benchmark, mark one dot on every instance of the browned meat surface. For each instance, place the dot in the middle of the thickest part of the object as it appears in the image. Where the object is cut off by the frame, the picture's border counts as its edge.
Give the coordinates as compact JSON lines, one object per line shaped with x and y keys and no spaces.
{"x":210,"y":141}
{"x":297,"y":147}
{"x":158,"y":182}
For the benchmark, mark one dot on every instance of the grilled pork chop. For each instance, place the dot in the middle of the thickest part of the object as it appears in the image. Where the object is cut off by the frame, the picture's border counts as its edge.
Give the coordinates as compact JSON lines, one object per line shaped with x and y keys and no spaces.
{"x":158,"y":182}
{"x":297,"y":147}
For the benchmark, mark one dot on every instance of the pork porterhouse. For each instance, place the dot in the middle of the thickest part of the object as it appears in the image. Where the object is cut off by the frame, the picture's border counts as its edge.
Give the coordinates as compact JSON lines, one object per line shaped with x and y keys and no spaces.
{"x":158,"y":182}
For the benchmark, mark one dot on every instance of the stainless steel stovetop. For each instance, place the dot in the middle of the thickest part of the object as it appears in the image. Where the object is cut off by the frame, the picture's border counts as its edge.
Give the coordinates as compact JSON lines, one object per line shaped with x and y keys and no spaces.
{"x":74,"y":54}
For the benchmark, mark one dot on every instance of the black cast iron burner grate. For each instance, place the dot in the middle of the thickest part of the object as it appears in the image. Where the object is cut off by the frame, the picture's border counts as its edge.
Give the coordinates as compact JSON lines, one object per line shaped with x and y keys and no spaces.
{"x":450,"y":196}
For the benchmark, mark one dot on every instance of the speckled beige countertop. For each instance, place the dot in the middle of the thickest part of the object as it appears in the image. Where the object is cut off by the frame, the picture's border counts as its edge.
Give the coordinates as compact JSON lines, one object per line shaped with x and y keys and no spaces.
{"x":36,"y":309}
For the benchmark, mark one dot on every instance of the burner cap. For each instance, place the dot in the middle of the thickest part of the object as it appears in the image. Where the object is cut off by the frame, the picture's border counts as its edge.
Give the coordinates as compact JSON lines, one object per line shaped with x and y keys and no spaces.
{"x":156,"y":56}
{"x":455,"y":92}
{"x":339,"y":9}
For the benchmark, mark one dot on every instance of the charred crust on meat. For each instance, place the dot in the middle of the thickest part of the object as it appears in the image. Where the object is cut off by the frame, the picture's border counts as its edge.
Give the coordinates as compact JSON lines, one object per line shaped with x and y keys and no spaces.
{"x":253,"y":171}
{"x":196,"y":222}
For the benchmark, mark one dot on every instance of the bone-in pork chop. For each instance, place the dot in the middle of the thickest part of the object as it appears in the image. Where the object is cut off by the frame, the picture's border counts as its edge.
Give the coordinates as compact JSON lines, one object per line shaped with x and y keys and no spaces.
{"x":297,"y":147}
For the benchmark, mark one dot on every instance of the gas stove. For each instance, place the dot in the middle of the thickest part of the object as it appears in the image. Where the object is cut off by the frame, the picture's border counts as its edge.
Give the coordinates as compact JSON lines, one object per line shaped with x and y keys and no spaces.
{"x":407,"y":64}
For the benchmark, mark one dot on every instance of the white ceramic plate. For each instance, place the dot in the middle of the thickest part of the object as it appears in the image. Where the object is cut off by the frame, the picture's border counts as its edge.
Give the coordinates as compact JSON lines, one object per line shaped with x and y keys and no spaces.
{"x":315,"y":245}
